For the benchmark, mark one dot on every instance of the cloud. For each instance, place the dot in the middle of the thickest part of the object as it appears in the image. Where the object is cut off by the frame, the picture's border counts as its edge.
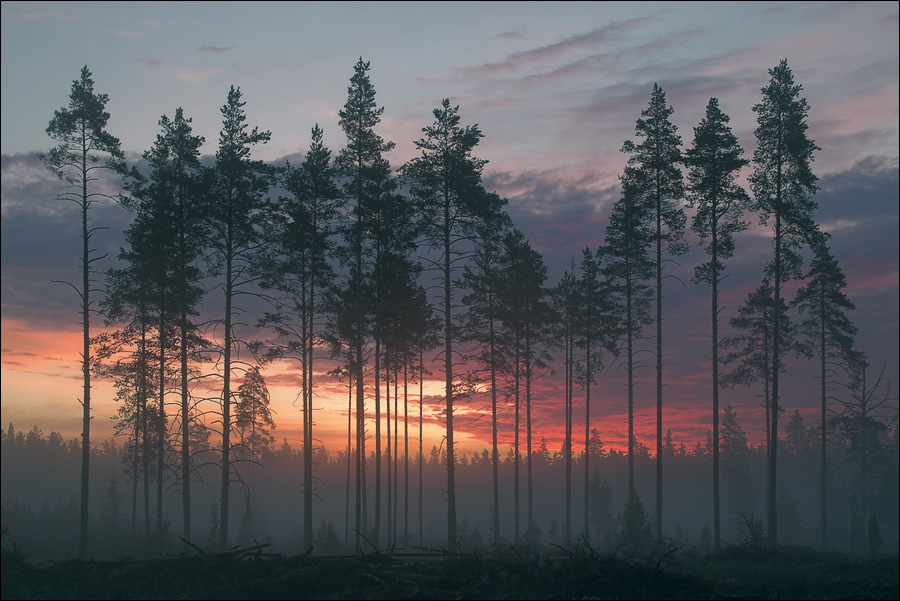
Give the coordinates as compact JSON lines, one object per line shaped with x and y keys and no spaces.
{"x":582,"y":67}
{"x":128,"y":34}
{"x":198,"y":76}
{"x":560,"y":210}
{"x":150,"y":63}
{"x":523,"y":59}
{"x":84,"y":15}
{"x":838,"y":225}
{"x":548,"y":191}
{"x":628,"y":64}
{"x":15,"y":353}
{"x":889,"y":20}
{"x":216,"y":49}
{"x":864,"y":194}
{"x":41,"y":240}
{"x":40,"y":11}
{"x":516,"y":34}
{"x":177,"y":72}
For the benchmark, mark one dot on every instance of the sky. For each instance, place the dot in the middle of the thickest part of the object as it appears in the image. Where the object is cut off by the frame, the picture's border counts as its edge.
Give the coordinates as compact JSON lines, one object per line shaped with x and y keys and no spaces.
{"x":555,"y":87}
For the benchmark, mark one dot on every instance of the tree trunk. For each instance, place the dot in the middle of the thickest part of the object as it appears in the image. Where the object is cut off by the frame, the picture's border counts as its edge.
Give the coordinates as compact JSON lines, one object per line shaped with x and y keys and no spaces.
{"x":659,"y":374}
{"x":83,"y":545}
{"x":823,"y":500}
{"x":717,"y":509}
{"x":226,"y":409}
{"x":448,"y":385}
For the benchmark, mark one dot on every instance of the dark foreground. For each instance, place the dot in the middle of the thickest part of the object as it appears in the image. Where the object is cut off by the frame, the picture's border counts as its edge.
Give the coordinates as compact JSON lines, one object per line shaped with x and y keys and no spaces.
{"x":512,"y":574}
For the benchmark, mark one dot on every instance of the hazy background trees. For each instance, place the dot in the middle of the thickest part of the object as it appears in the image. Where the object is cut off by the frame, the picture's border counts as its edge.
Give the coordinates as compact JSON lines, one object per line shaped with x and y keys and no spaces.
{"x":40,"y":515}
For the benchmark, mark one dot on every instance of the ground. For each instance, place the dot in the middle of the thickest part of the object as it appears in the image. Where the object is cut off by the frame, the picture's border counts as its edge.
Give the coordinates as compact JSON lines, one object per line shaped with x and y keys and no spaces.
{"x":251,"y":573}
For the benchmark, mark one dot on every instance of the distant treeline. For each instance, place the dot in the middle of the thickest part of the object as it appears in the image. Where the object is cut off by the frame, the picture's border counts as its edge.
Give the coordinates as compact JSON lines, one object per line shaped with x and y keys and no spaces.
{"x":40,"y":482}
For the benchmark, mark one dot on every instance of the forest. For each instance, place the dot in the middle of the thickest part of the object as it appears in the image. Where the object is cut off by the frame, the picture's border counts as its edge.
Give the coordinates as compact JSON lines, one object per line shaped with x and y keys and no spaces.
{"x":371,"y":279}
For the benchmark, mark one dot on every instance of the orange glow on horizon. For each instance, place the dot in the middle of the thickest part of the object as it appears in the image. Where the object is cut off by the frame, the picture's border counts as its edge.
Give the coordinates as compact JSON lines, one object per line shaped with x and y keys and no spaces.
{"x":42,"y":386}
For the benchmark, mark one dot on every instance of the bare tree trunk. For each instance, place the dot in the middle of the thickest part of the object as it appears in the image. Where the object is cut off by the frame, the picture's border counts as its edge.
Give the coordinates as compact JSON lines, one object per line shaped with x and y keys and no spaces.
{"x":349,"y":460}
{"x":405,"y":454}
{"x":161,"y":449}
{"x":448,"y":385}
{"x":389,"y":457}
{"x":630,"y":353}
{"x":717,"y":509}
{"x":83,"y":545}
{"x":528,"y":434}
{"x":495,"y":452}
{"x":421,"y":455}
{"x":771,"y":501}
{"x":587,"y":441}
{"x":659,"y":373}
{"x":823,"y":492}
{"x":568,"y":442}
{"x":225,"y":492}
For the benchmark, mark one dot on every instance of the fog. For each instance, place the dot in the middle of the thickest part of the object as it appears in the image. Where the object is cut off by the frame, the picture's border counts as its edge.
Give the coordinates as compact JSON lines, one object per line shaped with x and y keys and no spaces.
{"x":41,"y":475}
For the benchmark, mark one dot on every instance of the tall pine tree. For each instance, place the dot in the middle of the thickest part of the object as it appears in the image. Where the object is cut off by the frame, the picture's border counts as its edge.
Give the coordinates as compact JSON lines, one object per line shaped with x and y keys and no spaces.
{"x":364,"y":169}
{"x":446,"y":181}
{"x":236,"y":211}
{"x":298,"y":265}
{"x":171,"y":202}
{"x":565,"y":302}
{"x":830,"y":332}
{"x":130,"y":356}
{"x":597,"y":329}
{"x":527,"y":315}
{"x":714,"y":163}
{"x":752,"y":351}
{"x":481,"y":326}
{"x":783,"y":186}
{"x":654,"y":167}
{"x":84,"y":150}
{"x":628,"y":268}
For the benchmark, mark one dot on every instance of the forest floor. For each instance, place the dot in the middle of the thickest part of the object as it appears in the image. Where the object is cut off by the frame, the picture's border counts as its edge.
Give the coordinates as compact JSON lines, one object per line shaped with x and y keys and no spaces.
{"x":250,"y":573}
